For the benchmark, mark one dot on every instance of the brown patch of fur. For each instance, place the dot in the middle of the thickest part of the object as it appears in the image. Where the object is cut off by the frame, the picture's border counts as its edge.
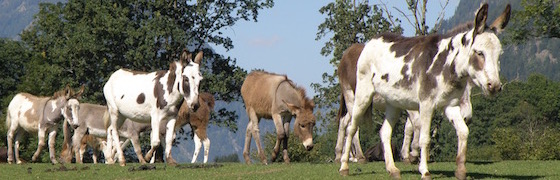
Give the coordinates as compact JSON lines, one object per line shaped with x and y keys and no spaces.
{"x":200,"y":118}
{"x":141,"y":98}
{"x":158,"y":90}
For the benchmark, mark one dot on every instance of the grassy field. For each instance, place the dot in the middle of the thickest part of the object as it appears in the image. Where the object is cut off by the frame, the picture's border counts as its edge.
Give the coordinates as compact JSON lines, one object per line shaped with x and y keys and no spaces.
{"x":376,"y":170}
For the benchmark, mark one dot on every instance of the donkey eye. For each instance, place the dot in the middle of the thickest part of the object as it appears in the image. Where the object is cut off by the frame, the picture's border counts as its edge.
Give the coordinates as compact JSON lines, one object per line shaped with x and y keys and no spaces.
{"x":479,"y":53}
{"x":302,"y":126}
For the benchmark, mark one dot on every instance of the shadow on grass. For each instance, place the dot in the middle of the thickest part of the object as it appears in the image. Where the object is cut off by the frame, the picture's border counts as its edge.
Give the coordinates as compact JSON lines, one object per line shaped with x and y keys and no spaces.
{"x":480,"y":162}
{"x":474,"y":175}
{"x":198,"y":166}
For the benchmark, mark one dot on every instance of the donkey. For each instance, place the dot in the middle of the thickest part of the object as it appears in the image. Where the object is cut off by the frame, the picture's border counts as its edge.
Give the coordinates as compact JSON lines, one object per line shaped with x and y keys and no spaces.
{"x":41,"y":115}
{"x":272,"y":96}
{"x":426,"y":73}
{"x":198,"y":121}
{"x":347,"y":79}
{"x":93,"y":120}
{"x":151,"y":98}
{"x":97,"y":145}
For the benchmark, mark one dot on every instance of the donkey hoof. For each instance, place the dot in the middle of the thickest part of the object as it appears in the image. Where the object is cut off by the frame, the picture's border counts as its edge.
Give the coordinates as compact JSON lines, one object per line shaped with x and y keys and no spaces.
{"x":427,"y":176}
{"x":460,"y":175}
{"x":362,"y":161}
{"x":344,"y":172}
{"x":337,"y":160}
{"x":395,"y":175}
{"x":122,"y":164}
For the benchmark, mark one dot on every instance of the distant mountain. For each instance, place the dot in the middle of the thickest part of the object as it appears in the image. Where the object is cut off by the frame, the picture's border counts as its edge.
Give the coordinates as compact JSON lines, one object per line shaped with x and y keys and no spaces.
{"x":518,"y":61}
{"x":16,"y":15}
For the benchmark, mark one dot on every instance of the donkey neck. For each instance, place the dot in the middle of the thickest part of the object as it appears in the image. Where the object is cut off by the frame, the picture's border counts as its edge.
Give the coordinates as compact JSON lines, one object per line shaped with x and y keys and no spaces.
{"x":166,"y":89}
{"x":52,"y":113}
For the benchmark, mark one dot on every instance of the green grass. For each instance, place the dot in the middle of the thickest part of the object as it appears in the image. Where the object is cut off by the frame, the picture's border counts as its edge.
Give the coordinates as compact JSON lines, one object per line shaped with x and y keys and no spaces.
{"x":376,"y":170}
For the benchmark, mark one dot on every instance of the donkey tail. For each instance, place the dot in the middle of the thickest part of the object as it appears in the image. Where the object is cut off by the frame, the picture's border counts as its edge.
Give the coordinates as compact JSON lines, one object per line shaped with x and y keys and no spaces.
{"x":106,"y":119}
{"x":341,"y":110}
{"x":8,"y":119}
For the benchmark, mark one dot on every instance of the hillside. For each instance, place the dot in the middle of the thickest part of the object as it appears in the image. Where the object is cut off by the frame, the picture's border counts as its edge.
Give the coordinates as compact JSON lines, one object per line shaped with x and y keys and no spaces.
{"x":517,"y":61}
{"x":16,"y":15}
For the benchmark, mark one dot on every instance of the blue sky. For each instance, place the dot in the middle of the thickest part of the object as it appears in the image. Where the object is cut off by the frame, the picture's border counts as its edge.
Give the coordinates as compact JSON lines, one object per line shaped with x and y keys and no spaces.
{"x":283,"y":39}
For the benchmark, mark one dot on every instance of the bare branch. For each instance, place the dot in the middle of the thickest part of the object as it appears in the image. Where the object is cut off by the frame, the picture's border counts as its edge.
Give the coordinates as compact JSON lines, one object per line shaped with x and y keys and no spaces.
{"x":389,"y":16}
{"x":405,"y":16}
{"x":441,"y":15}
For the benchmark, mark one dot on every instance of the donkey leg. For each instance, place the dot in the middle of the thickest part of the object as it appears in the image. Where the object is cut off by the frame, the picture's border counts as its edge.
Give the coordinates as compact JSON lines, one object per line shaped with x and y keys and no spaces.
{"x":362,"y":101}
{"x":247,"y":146}
{"x":137,"y":147}
{"x":391,"y":116}
{"x":116,"y":143}
{"x":206,"y":143}
{"x":81,"y":151}
{"x":76,"y":145}
{"x":280,"y":135}
{"x":454,"y":115}
{"x":405,"y":149}
{"x":19,"y":134}
{"x":52,"y":143}
{"x":197,"y":146}
{"x":94,"y":155}
{"x":286,"y":121}
{"x":358,"y":153}
{"x":10,"y":139}
{"x":426,"y":110}
{"x":169,"y":137}
{"x":253,"y":121}
{"x":260,"y":150}
{"x":340,"y":138}
{"x":41,"y":143}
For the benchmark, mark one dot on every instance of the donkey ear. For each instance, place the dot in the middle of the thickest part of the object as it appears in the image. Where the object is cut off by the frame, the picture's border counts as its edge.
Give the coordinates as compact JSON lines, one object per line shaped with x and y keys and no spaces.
{"x":185,"y":56}
{"x":198,"y":58}
{"x":79,"y":94}
{"x":68,"y":91}
{"x":293,"y":108}
{"x":480,"y":19}
{"x":501,"y":22}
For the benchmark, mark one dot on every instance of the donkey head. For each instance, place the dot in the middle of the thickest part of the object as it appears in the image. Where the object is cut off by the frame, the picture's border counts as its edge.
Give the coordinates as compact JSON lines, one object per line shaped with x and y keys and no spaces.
{"x":72,"y":106}
{"x":190,"y":77}
{"x":304,"y":123}
{"x":484,"y":64}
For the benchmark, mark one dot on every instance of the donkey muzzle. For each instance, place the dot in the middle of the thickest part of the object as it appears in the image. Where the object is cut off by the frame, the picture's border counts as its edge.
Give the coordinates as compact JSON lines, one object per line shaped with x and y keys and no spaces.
{"x":494,"y":88}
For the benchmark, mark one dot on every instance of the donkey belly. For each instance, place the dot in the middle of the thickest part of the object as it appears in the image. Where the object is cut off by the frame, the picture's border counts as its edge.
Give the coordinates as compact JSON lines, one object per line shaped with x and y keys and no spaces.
{"x":137,"y":112}
{"x":398,"y":97}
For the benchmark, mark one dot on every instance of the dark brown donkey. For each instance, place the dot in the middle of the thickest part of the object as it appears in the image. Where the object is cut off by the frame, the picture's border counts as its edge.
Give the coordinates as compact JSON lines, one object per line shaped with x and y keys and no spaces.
{"x":198,"y":120}
{"x":273,"y":96}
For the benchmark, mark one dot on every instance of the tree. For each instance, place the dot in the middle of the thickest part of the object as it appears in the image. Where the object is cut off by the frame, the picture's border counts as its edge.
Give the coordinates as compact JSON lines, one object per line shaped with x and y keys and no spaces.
{"x":538,"y":19}
{"x":83,"y":42}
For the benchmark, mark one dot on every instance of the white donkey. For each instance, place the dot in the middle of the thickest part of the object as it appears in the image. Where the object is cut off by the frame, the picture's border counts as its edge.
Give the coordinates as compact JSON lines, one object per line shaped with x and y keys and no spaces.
{"x":151,"y":98}
{"x":425,"y":73}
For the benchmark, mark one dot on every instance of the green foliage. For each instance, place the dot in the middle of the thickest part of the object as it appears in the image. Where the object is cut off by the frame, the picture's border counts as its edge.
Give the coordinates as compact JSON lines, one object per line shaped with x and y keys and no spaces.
{"x":296,"y":151}
{"x":537,"y":19}
{"x":227,"y":158}
{"x":83,"y":42}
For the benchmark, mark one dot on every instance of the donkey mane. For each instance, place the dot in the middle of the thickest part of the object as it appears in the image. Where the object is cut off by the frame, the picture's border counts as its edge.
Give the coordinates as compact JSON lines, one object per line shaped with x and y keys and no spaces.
{"x":459,"y":29}
{"x":59,"y":93}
